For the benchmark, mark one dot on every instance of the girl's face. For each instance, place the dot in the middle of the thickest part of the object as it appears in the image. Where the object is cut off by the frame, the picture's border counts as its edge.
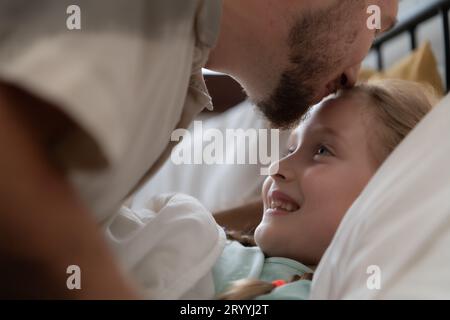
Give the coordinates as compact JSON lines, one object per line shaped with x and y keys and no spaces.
{"x":328,"y":165}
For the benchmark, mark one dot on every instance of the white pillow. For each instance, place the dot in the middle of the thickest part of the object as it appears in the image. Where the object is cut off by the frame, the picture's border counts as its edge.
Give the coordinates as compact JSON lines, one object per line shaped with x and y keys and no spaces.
{"x":398,"y":231}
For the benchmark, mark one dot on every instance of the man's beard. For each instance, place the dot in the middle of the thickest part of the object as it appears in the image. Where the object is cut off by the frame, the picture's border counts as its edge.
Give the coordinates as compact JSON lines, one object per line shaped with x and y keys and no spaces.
{"x":290,"y":101}
{"x":318,"y":43}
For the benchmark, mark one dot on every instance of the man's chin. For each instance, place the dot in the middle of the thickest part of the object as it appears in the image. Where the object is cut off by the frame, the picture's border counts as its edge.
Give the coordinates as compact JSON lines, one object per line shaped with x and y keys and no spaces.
{"x":280,"y":119}
{"x":287,"y":106}
{"x":320,"y":97}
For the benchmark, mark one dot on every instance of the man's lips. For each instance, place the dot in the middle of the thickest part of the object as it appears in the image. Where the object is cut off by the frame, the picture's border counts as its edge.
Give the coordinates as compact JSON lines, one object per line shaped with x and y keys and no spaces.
{"x":332,"y":87}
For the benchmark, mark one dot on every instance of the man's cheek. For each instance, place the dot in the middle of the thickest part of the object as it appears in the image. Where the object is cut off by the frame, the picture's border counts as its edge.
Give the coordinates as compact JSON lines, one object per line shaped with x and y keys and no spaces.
{"x":366,"y":39}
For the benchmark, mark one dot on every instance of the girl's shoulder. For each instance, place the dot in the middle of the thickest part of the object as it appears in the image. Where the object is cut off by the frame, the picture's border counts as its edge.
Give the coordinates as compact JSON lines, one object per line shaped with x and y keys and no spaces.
{"x":290,"y":265}
{"x":237,"y":262}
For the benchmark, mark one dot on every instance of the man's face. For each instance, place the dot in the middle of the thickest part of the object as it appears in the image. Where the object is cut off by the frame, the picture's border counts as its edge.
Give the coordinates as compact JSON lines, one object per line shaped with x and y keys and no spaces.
{"x":326,"y":48}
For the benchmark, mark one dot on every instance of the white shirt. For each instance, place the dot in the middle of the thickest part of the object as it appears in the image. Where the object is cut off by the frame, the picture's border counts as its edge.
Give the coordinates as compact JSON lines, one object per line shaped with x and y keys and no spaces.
{"x":169,"y":245}
{"x":128,"y":78}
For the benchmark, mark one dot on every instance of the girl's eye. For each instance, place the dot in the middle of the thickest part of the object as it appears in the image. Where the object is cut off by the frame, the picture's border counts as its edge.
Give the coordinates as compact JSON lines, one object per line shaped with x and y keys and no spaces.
{"x":322,"y":151}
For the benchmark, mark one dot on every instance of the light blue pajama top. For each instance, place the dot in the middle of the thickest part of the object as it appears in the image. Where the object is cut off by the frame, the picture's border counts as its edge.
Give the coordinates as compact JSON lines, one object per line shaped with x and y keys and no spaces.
{"x":238,"y":262}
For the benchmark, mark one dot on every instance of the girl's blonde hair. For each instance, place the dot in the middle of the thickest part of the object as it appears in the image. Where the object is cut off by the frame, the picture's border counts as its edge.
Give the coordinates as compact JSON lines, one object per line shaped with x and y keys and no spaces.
{"x":393,"y":108}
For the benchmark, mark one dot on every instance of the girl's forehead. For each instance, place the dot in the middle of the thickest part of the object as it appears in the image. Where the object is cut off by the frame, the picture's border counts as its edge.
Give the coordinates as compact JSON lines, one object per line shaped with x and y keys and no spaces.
{"x":339,"y":113}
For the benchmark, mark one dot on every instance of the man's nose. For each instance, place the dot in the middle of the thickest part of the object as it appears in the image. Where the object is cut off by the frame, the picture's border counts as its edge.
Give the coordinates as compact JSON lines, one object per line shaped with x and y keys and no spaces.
{"x":350,"y":76}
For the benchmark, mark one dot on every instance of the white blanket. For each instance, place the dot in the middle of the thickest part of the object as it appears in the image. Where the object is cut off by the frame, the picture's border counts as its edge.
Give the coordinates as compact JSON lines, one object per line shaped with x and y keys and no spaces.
{"x":168,"y":244}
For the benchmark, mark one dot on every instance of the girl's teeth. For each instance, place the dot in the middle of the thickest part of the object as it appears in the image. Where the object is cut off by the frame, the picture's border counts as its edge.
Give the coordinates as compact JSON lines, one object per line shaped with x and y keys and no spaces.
{"x":275,"y":204}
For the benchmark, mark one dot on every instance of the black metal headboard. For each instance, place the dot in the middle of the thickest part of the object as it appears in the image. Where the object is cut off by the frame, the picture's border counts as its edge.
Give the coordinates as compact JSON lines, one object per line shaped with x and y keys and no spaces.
{"x":410,"y":24}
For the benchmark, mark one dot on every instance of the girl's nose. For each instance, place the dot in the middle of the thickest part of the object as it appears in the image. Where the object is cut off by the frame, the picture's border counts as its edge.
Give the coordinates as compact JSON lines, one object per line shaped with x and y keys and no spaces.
{"x":282,"y":170}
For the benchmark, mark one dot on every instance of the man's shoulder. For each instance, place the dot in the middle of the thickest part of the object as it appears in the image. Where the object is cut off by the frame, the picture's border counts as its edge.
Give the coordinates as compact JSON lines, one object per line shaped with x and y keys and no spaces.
{"x":44,"y":120}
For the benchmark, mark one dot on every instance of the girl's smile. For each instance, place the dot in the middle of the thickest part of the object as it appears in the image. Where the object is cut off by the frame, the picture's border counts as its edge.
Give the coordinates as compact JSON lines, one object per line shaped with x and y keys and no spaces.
{"x":281,"y":204}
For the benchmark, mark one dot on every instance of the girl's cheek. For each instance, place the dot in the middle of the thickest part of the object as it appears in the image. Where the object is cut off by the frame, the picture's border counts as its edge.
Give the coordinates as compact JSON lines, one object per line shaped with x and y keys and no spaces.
{"x":317,"y":184}
{"x":312,"y":179}
{"x":265,"y":190}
